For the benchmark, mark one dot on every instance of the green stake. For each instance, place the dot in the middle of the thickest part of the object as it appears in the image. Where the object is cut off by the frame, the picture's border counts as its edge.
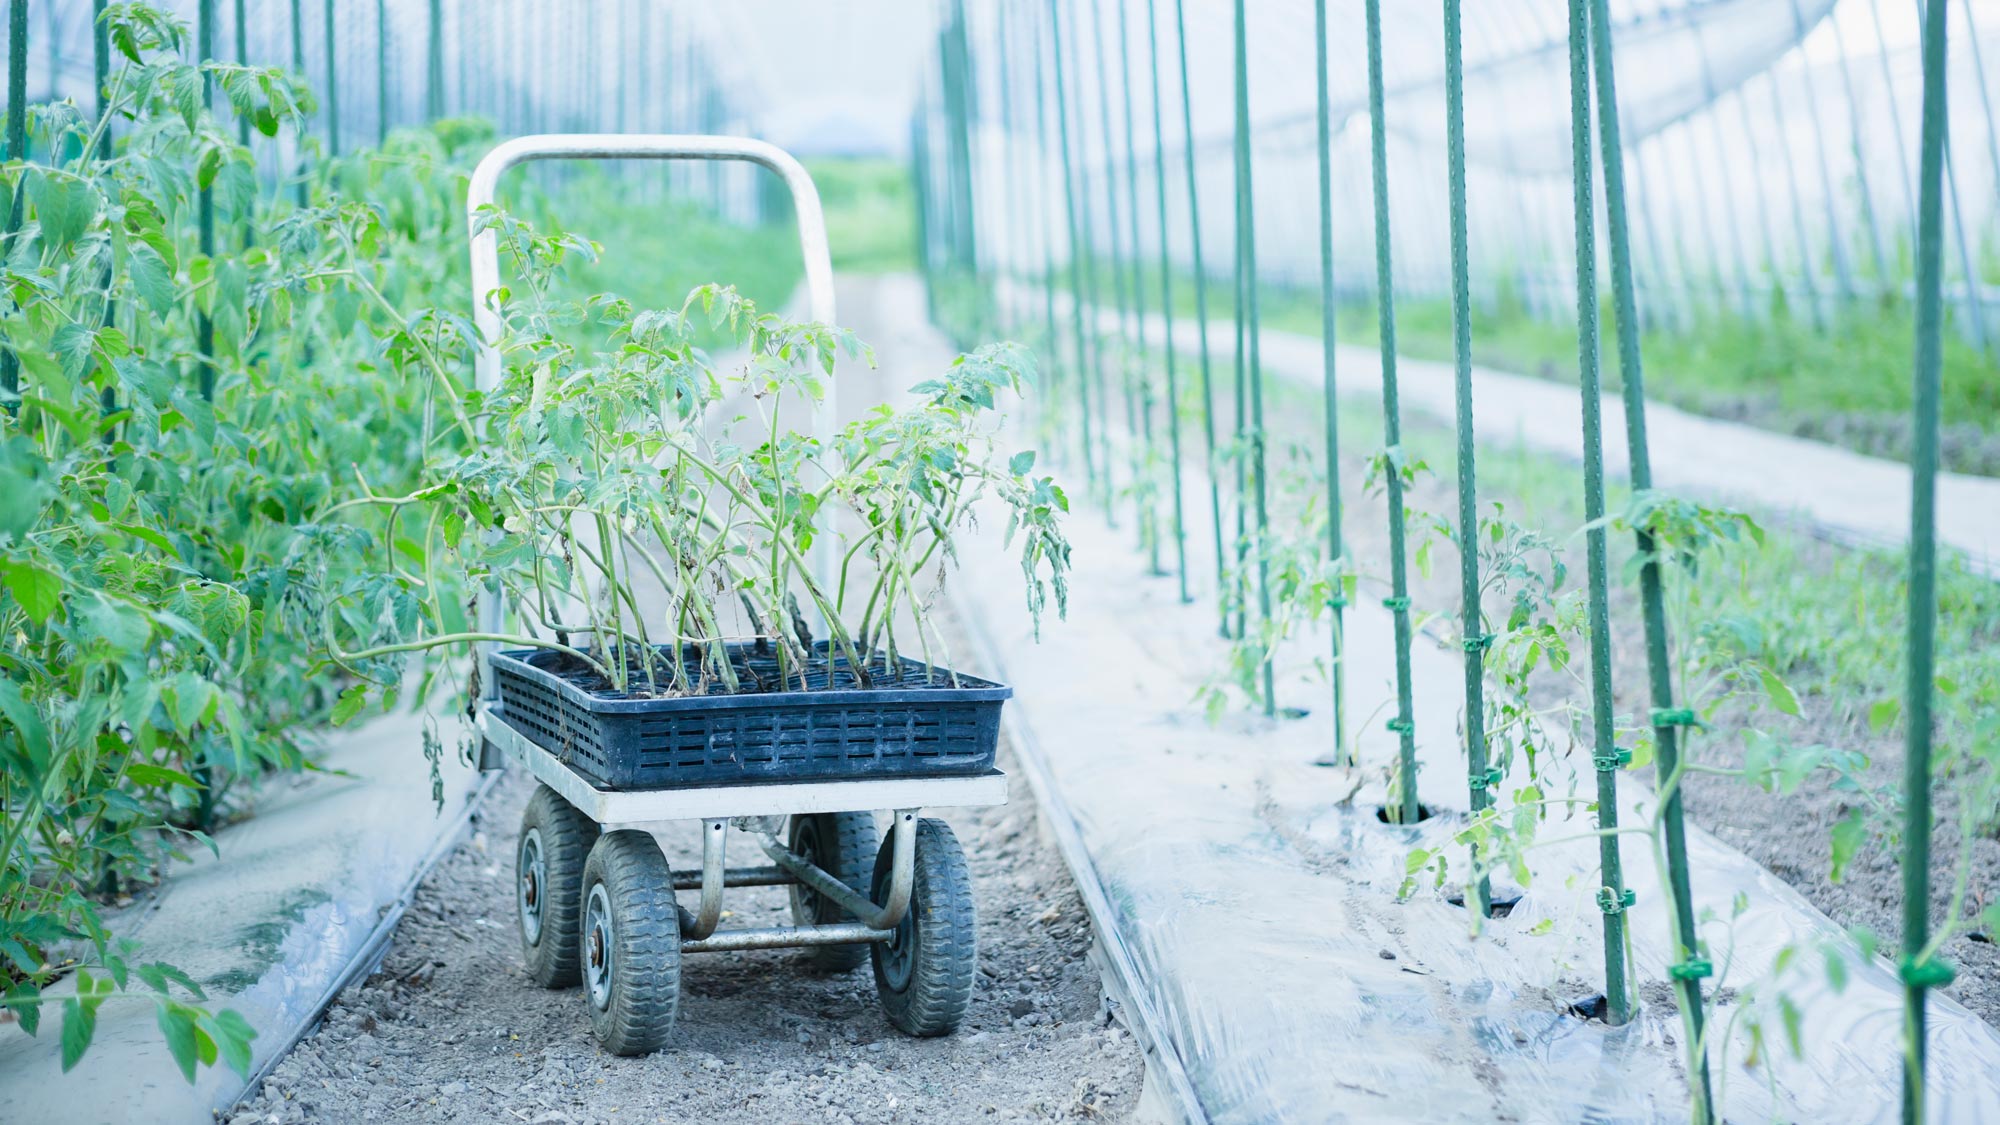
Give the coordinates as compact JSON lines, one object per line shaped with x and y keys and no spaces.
{"x":1115,"y":264}
{"x":1200,"y":300}
{"x":434,"y":64}
{"x":1611,"y":896}
{"x":1329,"y":342}
{"x":1078,"y":262}
{"x":332,"y":84}
{"x":1138,"y":365}
{"x":1251,"y":373}
{"x":1921,"y":967}
{"x":204,"y":325}
{"x":1167,"y":301}
{"x":381,"y":72}
{"x":1473,"y":623}
{"x":1404,"y":724}
{"x":17,"y":148}
{"x":299,"y":65}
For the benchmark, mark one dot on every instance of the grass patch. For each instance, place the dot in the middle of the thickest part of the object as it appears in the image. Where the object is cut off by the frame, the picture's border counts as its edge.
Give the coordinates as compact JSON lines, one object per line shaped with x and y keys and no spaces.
{"x":1849,"y":385}
{"x":871,"y":221}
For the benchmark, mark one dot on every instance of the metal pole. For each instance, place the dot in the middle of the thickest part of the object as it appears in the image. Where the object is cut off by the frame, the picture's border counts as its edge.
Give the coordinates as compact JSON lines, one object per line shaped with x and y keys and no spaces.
{"x":1336,"y":550}
{"x":381,"y":72}
{"x":205,"y":210}
{"x":332,"y":84}
{"x":1246,"y":238}
{"x":1077,"y":260}
{"x":17,"y":149}
{"x":1404,"y":723}
{"x":434,"y":64}
{"x":1200,"y":292}
{"x":1115,"y":263}
{"x":1473,"y":621}
{"x":1167,"y":299}
{"x":1138,"y":365}
{"x":1921,"y":968}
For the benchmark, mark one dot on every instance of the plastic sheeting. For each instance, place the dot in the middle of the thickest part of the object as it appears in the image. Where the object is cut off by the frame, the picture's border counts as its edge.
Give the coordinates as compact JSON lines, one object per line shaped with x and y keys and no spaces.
{"x":1254,"y":894}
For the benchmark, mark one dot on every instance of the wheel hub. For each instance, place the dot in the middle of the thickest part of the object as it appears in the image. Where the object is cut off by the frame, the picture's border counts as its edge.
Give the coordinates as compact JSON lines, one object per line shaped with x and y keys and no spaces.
{"x":532,"y":871}
{"x":599,"y":960}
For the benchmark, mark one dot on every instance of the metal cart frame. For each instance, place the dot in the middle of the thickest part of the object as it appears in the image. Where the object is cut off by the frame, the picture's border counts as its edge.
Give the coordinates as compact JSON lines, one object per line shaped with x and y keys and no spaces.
{"x":756,"y":808}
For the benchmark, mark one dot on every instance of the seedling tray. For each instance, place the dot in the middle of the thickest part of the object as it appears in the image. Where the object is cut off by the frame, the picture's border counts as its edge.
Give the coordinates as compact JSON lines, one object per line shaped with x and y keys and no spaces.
{"x":906,"y":724}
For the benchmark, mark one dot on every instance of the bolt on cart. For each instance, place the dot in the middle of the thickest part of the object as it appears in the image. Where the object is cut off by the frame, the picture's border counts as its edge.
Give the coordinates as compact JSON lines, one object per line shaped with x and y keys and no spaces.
{"x":804,"y":773}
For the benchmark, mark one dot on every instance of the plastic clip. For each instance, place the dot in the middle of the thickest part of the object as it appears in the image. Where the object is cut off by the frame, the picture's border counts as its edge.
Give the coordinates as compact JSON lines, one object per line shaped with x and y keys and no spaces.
{"x":1606,"y":763}
{"x":1398,"y":605}
{"x":1489,"y":780}
{"x":1402,"y":726}
{"x":1673,"y":717}
{"x":1479,"y":643}
{"x":1931,"y":972}
{"x":1615,"y":902}
{"x":1694,"y":968}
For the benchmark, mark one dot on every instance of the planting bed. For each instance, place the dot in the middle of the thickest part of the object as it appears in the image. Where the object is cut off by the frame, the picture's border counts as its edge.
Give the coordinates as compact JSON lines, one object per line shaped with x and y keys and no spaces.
{"x":451,"y":1030}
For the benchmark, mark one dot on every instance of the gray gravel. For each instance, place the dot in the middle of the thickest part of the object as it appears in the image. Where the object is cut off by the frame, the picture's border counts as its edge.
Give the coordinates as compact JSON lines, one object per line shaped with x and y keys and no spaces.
{"x":451,"y":1030}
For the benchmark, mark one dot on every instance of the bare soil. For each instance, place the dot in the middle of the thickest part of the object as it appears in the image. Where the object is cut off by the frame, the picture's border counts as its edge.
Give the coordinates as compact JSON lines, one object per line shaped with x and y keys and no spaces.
{"x":451,"y":1030}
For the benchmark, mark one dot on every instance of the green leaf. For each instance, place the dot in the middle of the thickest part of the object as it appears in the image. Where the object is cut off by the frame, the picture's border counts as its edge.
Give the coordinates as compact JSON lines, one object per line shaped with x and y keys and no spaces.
{"x":1849,"y":833}
{"x":152,"y":278}
{"x":26,"y":1001}
{"x":1883,"y":714}
{"x":64,"y":204}
{"x":148,"y":535}
{"x":350,"y":704}
{"x":232,"y":1034}
{"x":1779,"y":692}
{"x":177,"y":1027}
{"x":145,"y":773}
{"x":1021,"y":462}
{"x":38,"y":590}
{"x":79,"y":1024}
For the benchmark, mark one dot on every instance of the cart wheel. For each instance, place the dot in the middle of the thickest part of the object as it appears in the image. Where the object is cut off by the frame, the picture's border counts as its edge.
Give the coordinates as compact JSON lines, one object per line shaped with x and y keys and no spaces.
{"x":548,"y":873}
{"x":842,"y":845}
{"x":631,"y":944}
{"x":924,"y":974}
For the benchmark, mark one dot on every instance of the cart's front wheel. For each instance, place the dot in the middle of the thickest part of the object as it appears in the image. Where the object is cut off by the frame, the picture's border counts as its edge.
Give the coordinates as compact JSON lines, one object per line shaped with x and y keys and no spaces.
{"x":924,"y":974}
{"x":842,"y":845}
{"x":631,"y":944}
{"x":548,"y":874}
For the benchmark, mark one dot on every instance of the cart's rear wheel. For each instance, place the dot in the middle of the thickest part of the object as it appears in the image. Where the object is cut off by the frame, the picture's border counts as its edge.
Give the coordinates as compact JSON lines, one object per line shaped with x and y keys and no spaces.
{"x":924,"y":974}
{"x":631,"y":944}
{"x":548,"y":881}
{"x":842,"y":845}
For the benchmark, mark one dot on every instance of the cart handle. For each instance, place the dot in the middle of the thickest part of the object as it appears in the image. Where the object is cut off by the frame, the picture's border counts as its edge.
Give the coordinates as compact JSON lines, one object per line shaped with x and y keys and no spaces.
{"x":639,"y":146}
{"x":636,"y":146}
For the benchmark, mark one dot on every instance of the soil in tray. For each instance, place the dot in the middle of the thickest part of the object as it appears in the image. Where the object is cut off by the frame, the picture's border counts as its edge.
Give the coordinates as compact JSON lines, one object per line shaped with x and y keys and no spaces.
{"x":757,"y":673}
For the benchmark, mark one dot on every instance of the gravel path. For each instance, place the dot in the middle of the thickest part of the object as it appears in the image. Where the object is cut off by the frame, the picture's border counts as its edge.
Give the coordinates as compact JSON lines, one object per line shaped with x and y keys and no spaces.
{"x":451,"y":1030}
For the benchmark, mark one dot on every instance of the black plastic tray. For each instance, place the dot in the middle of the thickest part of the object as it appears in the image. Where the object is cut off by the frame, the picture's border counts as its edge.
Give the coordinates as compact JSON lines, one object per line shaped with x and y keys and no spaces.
{"x":634,"y":741}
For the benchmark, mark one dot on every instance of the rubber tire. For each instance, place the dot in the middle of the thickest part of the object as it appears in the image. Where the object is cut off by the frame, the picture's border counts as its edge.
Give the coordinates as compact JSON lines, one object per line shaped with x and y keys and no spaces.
{"x":645,"y":980}
{"x":843,"y":845}
{"x":940,"y":934}
{"x":567,"y":836}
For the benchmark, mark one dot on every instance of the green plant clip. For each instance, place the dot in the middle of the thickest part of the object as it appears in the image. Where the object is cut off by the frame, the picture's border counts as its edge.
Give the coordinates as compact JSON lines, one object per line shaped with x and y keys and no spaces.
{"x":1480,"y":643}
{"x":1694,"y":968}
{"x":1489,"y":780}
{"x":1931,"y":972}
{"x":1615,"y":901}
{"x":1605,"y":763}
{"x":1338,"y":601}
{"x":1674,"y":717}
{"x":1398,"y":605}
{"x":1401,"y":725}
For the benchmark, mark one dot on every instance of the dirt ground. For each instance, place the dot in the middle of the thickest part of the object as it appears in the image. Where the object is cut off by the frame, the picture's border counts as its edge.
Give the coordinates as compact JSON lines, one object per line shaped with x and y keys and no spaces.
{"x":451,"y":1030}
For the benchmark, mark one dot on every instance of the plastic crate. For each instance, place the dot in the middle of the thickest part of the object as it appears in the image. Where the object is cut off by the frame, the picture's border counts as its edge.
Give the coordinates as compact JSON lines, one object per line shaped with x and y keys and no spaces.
{"x":901,"y":727}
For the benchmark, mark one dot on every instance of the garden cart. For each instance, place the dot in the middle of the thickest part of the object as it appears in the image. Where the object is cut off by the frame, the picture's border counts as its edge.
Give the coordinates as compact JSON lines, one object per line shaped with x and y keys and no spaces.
{"x":804,"y":772}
